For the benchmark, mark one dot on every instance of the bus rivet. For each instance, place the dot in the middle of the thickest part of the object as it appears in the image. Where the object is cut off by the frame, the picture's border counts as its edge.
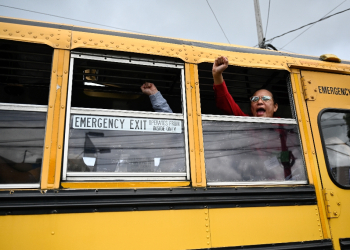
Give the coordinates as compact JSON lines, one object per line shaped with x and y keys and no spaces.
{"x":47,"y":147}
{"x":54,"y":71}
{"x":10,"y":34}
{"x":50,"y":106}
{"x":75,"y":41}
{"x":79,"y":38}
{"x":47,"y":38}
{"x":112,"y":42}
{"x":5,"y":30}
{"x":59,"y":146}
{"x":57,"y":45}
{"x":338,"y":203}
{"x":84,"y":42}
{"x":22,"y":35}
{"x":313,"y":152}
{"x":17,"y":31}
{"x":67,"y":46}
{"x":305,"y":152}
{"x":332,"y":193}
{"x":95,"y":43}
{"x":191,"y":150}
{"x":196,"y":83}
{"x":186,"y":58}
{"x":335,"y":213}
{"x":206,"y":225}
{"x":52,"y":233}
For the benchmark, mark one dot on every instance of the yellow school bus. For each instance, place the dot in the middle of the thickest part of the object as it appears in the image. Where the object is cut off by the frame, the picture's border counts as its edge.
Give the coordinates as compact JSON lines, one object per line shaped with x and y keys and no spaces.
{"x":87,"y":163}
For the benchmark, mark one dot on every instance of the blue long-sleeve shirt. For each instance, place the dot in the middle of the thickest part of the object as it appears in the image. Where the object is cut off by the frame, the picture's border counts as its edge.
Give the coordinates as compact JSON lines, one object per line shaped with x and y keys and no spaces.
{"x":159,"y":104}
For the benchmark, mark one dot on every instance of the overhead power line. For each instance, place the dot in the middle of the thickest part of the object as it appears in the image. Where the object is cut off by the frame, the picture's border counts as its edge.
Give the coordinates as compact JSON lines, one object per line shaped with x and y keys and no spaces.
{"x":41,"y":13}
{"x":218,"y":22}
{"x":324,"y":18}
{"x":311,"y":25}
{"x":268,"y":15}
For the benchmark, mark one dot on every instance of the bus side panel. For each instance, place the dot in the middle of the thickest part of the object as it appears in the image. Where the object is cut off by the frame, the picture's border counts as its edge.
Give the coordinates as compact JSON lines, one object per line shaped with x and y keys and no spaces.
{"x":174,"y":229}
{"x":264,"y":225}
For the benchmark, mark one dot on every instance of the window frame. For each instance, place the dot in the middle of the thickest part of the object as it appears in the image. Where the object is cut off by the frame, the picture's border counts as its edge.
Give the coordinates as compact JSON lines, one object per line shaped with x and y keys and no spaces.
{"x":206,"y":117}
{"x":112,"y":176}
{"x":330,"y":175}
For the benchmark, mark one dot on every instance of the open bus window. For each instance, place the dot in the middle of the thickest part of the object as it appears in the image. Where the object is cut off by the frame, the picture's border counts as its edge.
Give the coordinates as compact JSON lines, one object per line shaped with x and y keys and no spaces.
{"x":114,"y":82}
{"x":113,"y":133}
{"x":335,"y":127}
{"x":246,"y":150}
{"x":25,"y":70}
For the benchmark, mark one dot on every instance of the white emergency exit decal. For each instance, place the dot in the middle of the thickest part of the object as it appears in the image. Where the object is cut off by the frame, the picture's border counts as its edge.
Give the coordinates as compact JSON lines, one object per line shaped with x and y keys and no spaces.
{"x":127,"y":124}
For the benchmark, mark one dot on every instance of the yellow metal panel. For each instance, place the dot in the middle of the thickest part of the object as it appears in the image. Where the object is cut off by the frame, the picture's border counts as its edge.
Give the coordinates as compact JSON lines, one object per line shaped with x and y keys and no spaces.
{"x":55,"y":120}
{"x":200,"y":128}
{"x":49,"y":121}
{"x":62,"y":115}
{"x":197,"y":169}
{"x":308,"y":147}
{"x":174,"y":229}
{"x":264,"y":225}
{"x":98,"y":185}
{"x":339,"y":226}
{"x":69,"y":39}
{"x":56,"y":38}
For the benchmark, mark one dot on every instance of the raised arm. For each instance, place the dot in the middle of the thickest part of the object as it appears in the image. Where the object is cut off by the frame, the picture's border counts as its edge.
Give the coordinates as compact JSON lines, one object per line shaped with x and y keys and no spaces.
{"x":220,"y":64}
{"x":223,"y":98}
{"x":159,"y":104}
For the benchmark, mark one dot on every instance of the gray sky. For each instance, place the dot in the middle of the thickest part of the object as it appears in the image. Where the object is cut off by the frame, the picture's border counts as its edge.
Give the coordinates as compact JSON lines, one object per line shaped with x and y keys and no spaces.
{"x":193,"y":19}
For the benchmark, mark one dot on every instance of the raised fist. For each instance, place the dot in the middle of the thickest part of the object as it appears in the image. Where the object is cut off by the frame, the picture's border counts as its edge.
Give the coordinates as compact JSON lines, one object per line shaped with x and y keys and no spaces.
{"x":220,"y":64}
{"x":149,"y":88}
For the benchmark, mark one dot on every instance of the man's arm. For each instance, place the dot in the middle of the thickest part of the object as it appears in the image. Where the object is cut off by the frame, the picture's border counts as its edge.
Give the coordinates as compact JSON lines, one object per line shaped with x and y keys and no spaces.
{"x":159,"y":104}
{"x":223,"y":98}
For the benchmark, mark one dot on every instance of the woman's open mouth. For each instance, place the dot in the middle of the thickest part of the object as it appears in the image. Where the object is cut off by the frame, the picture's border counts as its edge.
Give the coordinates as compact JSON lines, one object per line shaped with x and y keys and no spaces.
{"x":260,"y":111}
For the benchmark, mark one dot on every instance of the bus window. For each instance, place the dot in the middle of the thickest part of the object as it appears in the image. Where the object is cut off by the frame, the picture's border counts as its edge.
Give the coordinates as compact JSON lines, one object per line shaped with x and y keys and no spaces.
{"x":335,"y":125}
{"x":113,"y":132}
{"x":25,"y":72}
{"x":247,"y":150}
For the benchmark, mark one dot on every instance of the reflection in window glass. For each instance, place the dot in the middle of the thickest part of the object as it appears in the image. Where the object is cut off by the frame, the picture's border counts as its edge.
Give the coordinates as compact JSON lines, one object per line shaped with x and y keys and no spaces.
{"x":135,"y":150}
{"x":21,"y":146}
{"x":336,"y":136}
{"x":251,"y":152}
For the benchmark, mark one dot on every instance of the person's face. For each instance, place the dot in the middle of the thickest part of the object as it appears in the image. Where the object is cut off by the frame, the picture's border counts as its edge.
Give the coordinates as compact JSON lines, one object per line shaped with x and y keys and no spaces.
{"x":263,"y":108}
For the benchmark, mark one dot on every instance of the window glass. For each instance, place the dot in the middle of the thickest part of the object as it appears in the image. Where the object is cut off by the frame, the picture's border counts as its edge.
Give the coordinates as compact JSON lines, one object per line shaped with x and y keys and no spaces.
{"x":335,"y":128}
{"x":133,"y":148}
{"x":252,"y":152}
{"x":21,"y":146}
{"x":116,"y":132}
